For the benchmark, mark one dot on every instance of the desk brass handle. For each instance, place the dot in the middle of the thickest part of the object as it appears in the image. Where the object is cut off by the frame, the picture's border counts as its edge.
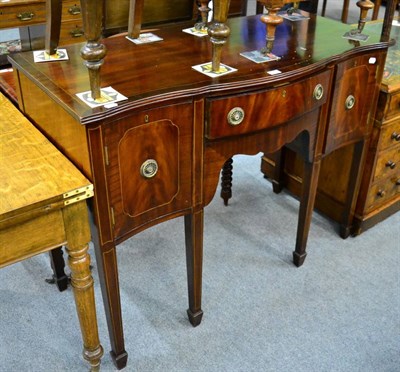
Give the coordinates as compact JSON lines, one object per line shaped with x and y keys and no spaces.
{"x":395,"y":136}
{"x":77,"y":32}
{"x":350,"y":102}
{"x":149,"y":168}
{"x":74,"y":10}
{"x":391,"y":164}
{"x":381,"y":193}
{"x":26,"y":16}
{"x":235,"y":116}
{"x":318,"y":92}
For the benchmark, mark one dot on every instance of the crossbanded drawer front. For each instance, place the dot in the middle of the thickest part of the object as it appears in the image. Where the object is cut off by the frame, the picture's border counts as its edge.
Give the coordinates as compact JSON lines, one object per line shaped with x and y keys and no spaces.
{"x":393,"y":109}
{"x":390,"y":135}
{"x":248,"y":113}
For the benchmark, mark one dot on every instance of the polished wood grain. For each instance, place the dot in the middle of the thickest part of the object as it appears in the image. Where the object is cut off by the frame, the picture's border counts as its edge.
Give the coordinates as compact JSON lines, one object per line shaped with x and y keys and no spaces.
{"x":43,"y":205}
{"x":164,"y":92}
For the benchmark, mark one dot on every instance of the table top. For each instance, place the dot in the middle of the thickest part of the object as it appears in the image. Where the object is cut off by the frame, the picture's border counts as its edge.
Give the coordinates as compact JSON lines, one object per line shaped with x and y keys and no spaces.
{"x":162,"y":71}
{"x":34,"y":174}
{"x":4,"y":3}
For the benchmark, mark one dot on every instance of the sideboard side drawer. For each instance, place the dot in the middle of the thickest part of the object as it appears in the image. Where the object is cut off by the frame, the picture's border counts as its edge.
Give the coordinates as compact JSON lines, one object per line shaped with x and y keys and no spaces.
{"x":382,"y":192}
{"x":231,"y":116}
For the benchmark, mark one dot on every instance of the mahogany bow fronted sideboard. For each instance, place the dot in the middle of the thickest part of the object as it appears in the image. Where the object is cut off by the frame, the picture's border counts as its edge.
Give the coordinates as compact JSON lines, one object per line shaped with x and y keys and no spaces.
{"x":158,"y":155}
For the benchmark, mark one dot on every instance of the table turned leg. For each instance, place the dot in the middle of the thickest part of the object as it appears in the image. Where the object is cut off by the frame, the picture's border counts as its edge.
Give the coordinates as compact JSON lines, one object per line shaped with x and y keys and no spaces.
{"x":135,"y":18}
{"x":57,"y":264}
{"x":77,"y":232}
{"x":93,"y":52}
{"x":53,"y":25}
{"x":308,"y":192}
{"x":226,"y":181}
{"x":194,"y":263}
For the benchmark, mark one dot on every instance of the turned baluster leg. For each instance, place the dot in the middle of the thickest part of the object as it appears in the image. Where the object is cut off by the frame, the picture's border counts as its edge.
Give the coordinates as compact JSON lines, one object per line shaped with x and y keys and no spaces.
{"x":93,"y":52}
{"x":204,"y":10}
{"x":219,"y":31}
{"x":226,"y":181}
{"x":194,"y":262}
{"x":53,"y":25}
{"x":309,"y":189}
{"x":135,"y":18}
{"x":78,"y":236}
{"x":57,"y":264}
{"x":271,"y":20}
{"x":365,"y":6}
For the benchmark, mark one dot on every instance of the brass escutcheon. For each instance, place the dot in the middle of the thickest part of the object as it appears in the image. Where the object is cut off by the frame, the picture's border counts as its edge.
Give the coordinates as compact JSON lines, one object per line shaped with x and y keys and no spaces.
{"x":235,"y":116}
{"x":350,"y":102}
{"x":318,"y":92}
{"x":149,"y":168}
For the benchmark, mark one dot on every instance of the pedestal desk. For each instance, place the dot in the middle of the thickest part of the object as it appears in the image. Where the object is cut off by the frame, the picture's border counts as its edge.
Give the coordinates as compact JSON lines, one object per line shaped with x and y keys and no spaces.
{"x":158,"y":155}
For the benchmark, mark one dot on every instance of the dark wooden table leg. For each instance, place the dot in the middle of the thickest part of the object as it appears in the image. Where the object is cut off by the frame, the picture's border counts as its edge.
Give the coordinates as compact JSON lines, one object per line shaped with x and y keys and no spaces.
{"x":53,"y":25}
{"x":309,"y":189}
{"x":346,"y":223}
{"x":135,"y":18}
{"x":226,"y":181}
{"x":194,"y":263}
{"x":57,"y":264}
{"x":279,"y":170}
{"x":107,"y":267}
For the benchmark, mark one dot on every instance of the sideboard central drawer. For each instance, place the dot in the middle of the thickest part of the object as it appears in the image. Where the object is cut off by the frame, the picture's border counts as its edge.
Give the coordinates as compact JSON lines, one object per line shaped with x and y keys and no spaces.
{"x":230,"y":116}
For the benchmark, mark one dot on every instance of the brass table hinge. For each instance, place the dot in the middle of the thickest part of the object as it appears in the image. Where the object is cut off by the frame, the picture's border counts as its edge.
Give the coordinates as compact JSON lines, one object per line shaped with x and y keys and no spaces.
{"x":78,"y":194}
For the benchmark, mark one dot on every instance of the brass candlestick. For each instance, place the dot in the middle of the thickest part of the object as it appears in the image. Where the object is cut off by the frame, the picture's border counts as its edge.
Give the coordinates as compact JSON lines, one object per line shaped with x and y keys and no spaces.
{"x":204,"y":10}
{"x":93,"y":52}
{"x":219,"y":31}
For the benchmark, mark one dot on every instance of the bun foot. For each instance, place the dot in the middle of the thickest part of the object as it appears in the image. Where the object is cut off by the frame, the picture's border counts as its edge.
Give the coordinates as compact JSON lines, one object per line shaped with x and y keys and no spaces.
{"x":298,"y":259}
{"x":195,"y":318}
{"x":119,"y":360}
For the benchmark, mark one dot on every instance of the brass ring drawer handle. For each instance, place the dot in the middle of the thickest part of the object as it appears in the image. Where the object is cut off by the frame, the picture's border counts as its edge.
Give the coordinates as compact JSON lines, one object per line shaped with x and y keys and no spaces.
{"x":318,"y":92}
{"x":390,"y":164}
{"x":74,"y":10}
{"x":26,"y":16}
{"x":395,"y":136}
{"x":149,"y":168}
{"x":235,"y":116}
{"x":350,"y":102}
{"x":76,"y":32}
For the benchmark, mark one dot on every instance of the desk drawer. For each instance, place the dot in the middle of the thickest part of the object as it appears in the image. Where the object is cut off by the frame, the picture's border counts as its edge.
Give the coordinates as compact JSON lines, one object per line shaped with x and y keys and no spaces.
{"x":390,"y":135}
{"x":388,"y":163}
{"x":393,"y":108}
{"x":71,"y":10}
{"x":247,"y":113}
{"x":22,"y":15}
{"x":382,"y":192}
{"x":71,"y":32}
